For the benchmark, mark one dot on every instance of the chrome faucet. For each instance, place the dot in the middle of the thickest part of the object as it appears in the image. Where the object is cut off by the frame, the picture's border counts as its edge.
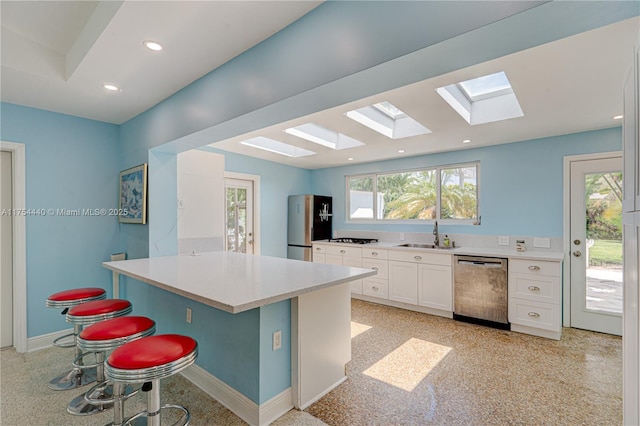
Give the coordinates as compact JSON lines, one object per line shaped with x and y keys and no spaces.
{"x":436,"y":241}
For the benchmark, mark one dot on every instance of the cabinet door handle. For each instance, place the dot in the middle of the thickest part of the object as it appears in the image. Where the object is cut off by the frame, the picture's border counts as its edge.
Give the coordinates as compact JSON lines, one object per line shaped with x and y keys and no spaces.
{"x":534,"y":268}
{"x":375,"y":268}
{"x":375,"y":288}
{"x":342,"y":251}
{"x":534,"y":314}
{"x":417,"y":257}
{"x":374,"y":253}
{"x":318,"y":248}
{"x":534,"y":288}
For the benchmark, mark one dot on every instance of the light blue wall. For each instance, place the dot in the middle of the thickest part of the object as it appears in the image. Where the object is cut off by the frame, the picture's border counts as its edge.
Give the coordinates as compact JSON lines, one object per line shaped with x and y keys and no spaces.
{"x":71,"y":163}
{"x":521,"y":189}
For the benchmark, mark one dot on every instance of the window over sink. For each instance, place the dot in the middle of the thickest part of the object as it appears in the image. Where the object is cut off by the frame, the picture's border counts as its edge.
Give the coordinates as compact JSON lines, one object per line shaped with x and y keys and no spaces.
{"x":445,"y":193}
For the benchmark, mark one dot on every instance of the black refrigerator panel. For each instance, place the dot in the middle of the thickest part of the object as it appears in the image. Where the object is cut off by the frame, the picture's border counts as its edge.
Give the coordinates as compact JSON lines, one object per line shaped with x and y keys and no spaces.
{"x":322,"y":217}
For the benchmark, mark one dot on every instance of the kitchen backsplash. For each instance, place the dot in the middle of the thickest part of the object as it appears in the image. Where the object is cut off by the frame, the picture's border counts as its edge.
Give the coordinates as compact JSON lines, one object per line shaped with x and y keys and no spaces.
{"x":461,"y":240}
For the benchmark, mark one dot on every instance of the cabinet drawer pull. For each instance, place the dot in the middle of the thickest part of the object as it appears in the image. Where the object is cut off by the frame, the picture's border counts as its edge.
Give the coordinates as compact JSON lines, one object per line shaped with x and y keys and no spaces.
{"x":417,"y":257}
{"x":374,"y":253}
{"x":318,"y":248}
{"x":375,"y":288}
{"x":534,"y":314}
{"x":375,"y":268}
{"x":534,"y":268}
{"x":534,"y":288}
{"x":342,"y":251}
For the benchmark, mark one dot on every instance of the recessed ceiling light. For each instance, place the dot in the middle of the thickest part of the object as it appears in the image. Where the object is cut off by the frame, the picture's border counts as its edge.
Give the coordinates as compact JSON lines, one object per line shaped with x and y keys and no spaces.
{"x":466,"y":140}
{"x":152,"y":45}
{"x":110,"y":87}
{"x":350,"y":159}
{"x":401,"y":151}
{"x":617,"y":117}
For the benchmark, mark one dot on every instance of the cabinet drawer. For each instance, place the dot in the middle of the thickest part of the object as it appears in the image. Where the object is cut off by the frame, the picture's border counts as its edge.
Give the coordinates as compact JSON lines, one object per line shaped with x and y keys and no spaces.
{"x":375,"y":253}
{"x":319,"y":248}
{"x":382,"y":266}
{"x":542,"y":288}
{"x":352,"y":252}
{"x":535,"y":314}
{"x":319,"y":258}
{"x":376,"y":288}
{"x":420,"y":257}
{"x":538,"y":267}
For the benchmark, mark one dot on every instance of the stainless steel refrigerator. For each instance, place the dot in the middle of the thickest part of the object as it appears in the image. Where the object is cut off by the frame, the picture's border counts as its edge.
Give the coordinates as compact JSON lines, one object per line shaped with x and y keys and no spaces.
{"x":309,"y":220}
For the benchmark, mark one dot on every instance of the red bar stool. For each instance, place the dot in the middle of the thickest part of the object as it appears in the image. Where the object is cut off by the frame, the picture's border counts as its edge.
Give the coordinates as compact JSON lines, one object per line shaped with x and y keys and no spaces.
{"x":148,"y":360}
{"x":86,"y":314}
{"x":100,"y":338}
{"x":65,"y":300}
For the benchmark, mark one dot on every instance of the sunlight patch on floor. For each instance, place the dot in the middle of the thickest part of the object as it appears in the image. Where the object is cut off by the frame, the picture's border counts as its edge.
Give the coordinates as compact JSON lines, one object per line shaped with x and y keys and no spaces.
{"x":357,"y":328}
{"x":409,"y":364}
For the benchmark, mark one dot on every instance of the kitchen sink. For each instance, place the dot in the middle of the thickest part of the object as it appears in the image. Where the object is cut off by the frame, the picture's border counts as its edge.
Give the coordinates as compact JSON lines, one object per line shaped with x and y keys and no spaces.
{"x":425,"y":246}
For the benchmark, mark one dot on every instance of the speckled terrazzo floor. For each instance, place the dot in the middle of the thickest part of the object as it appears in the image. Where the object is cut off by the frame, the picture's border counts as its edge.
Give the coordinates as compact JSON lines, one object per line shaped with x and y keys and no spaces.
{"x":409,"y":368}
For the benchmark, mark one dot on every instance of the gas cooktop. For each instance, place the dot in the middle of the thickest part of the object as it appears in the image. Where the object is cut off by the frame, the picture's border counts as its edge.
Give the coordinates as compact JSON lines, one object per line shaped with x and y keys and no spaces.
{"x":353,"y":240}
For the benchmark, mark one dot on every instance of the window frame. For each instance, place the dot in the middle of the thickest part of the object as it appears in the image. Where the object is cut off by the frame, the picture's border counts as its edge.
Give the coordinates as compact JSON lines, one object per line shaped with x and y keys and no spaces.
{"x":438,"y":169}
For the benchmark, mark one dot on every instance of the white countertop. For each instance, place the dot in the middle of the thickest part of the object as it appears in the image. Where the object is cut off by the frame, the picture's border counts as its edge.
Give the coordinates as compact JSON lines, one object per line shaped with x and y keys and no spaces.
{"x":553,"y":256}
{"x":235,"y":282}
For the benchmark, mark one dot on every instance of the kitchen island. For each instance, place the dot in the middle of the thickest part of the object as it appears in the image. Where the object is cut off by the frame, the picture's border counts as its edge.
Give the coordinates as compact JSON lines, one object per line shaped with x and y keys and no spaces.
{"x":245,"y":287}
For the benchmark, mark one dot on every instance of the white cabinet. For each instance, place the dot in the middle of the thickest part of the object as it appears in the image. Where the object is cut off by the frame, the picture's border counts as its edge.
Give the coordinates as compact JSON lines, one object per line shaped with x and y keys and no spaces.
{"x":535,"y":294}
{"x":435,"y":287}
{"x":421,"y":278}
{"x":346,"y":256}
{"x":403,"y":282}
{"x":319,"y":253}
{"x":377,"y":285}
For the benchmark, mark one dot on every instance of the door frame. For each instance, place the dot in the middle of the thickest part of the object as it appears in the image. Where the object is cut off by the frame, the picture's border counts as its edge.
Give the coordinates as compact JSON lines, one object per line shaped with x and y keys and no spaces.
{"x":256,"y":205}
{"x":19,"y":246}
{"x":566,"y":226}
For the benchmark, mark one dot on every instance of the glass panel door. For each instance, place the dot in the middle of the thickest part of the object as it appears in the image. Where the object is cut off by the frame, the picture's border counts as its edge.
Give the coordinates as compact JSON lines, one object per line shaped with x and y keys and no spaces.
{"x":239,"y":216}
{"x":596,"y":245}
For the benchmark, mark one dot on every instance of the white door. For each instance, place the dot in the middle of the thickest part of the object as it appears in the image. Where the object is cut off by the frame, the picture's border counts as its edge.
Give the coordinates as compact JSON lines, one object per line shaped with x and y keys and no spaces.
{"x":6,"y":250}
{"x":596,"y":245}
{"x":239,"y":215}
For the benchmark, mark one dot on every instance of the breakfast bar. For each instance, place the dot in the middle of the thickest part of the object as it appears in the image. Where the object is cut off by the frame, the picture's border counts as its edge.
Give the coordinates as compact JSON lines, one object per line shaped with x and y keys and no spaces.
{"x":244,"y":287}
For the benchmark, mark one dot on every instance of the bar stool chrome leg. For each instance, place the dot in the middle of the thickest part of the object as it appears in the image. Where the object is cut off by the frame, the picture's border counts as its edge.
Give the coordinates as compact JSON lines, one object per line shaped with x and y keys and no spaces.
{"x":76,"y":377}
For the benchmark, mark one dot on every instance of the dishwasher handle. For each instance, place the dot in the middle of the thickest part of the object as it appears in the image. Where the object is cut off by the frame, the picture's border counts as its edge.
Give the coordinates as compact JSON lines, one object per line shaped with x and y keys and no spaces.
{"x":481,"y":264}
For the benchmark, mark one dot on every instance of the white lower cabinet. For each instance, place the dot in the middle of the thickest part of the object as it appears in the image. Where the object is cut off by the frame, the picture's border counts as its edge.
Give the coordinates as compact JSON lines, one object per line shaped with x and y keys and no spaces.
{"x":378,"y":285}
{"x":435,"y":287}
{"x":346,"y":256}
{"x":403,"y":282}
{"x":535,"y":294}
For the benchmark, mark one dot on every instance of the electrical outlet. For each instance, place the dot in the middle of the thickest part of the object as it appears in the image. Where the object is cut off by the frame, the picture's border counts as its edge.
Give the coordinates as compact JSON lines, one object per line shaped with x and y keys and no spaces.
{"x":503,"y":240}
{"x":189,"y":313}
{"x":542,"y":242}
{"x":402,"y":236}
{"x":277,"y":340}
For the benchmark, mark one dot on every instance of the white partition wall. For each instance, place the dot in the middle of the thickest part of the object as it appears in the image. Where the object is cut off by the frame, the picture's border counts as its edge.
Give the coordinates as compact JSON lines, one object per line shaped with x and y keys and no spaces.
{"x":201,"y":202}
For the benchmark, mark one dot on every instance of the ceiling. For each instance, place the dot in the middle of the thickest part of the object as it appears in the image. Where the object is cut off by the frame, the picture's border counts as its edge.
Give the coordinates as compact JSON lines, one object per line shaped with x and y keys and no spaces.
{"x":568,"y":86}
{"x":56,"y":55}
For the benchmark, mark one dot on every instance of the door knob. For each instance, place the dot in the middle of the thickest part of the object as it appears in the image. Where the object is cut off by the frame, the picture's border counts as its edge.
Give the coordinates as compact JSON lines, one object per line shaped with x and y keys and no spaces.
{"x":577,"y":253}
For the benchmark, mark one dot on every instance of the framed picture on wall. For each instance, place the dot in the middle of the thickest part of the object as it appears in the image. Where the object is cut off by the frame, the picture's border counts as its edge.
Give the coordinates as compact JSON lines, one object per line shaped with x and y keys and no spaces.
{"x":132,"y":203}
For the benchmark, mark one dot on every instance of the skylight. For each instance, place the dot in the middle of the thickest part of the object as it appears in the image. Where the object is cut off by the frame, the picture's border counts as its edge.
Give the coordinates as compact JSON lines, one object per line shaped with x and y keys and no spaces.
{"x":389,"y":120}
{"x":483,"y":100}
{"x":323,"y":136}
{"x":486,"y":87}
{"x":277,"y":147}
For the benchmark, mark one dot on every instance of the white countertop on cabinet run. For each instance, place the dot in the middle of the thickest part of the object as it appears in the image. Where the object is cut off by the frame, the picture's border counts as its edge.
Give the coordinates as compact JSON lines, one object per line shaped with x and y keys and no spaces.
{"x":235,"y":282}
{"x":549,"y":255}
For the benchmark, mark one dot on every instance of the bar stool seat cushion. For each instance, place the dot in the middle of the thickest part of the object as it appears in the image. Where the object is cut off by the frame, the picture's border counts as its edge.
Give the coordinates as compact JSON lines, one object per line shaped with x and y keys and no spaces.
{"x":68,"y":298}
{"x":117,"y":328}
{"x":153,"y":351}
{"x":98,"y":307}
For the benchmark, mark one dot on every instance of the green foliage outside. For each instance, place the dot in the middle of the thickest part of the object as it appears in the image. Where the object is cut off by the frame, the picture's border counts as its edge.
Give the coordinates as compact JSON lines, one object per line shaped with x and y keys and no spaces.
{"x":605,"y":252}
{"x":604,"y":206}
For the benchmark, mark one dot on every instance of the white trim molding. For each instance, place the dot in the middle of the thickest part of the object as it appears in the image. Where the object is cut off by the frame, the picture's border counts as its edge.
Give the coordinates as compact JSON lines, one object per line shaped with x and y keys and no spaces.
{"x":239,"y":404}
{"x":19,"y":246}
{"x":45,"y":340}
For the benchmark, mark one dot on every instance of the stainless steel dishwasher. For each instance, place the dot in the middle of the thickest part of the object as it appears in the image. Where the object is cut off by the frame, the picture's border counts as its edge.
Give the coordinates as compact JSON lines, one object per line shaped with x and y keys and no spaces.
{"x":480,"y":290}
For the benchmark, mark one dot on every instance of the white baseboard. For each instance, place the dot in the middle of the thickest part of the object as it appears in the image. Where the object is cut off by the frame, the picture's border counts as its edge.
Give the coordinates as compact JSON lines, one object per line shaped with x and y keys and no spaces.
{"x":239,"y":404}
{"x":45,"y":340}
